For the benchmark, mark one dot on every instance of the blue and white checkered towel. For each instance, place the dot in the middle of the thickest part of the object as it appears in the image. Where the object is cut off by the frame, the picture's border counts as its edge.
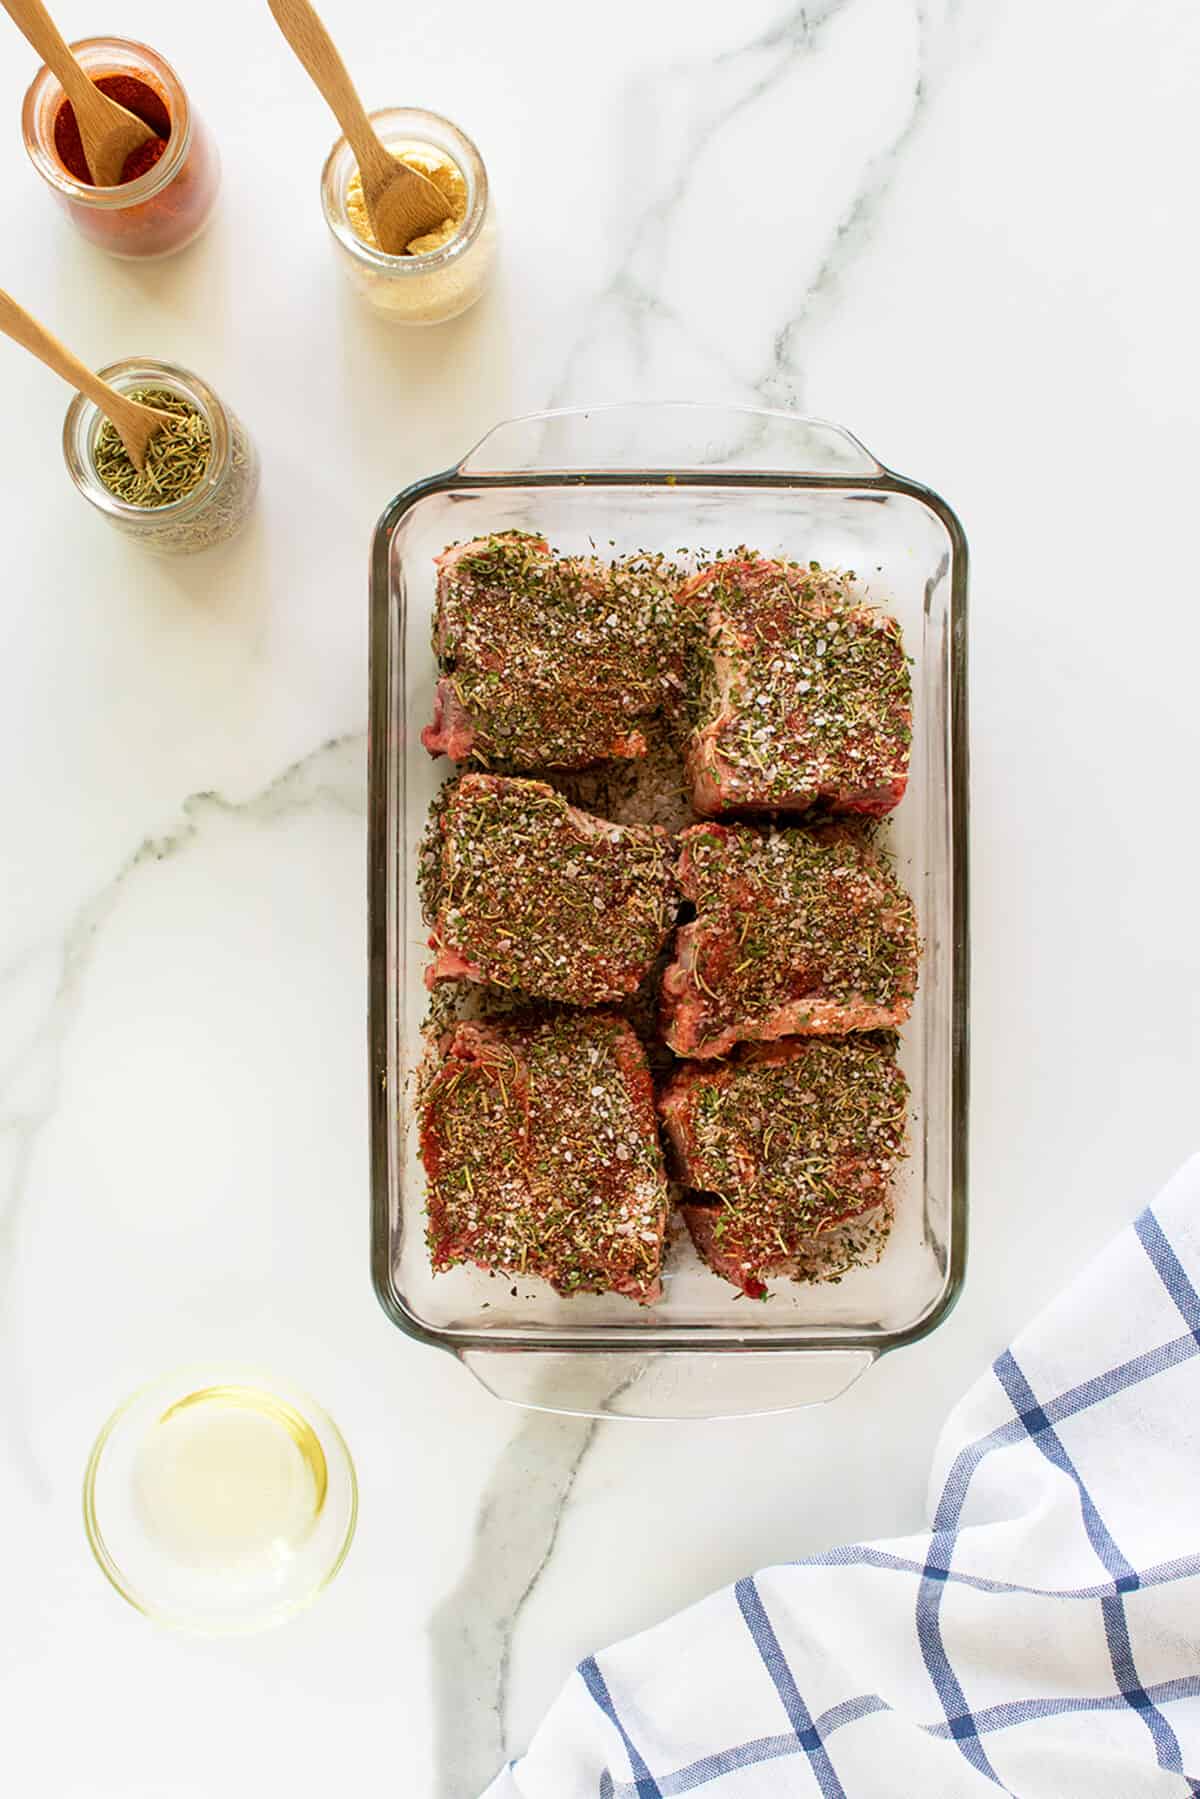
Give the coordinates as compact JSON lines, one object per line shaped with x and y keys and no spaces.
{"x":1042,"y":1640}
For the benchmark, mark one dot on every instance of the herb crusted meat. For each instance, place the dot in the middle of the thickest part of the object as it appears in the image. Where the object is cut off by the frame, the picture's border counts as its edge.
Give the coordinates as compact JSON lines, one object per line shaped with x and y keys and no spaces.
{"x":525,"y":891}
{"x":542,"y":1157}
{"x":805,"y":692}
{"x":771,"y":695}
{"x":797,"y":933}
{"x":548,"y":661}
{"x":788,"y":1155}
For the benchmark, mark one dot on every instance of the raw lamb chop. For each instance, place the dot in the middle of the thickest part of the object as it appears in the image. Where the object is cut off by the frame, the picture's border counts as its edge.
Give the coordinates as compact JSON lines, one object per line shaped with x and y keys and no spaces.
{"x":806,"y":693}
{"x":540,"y":1146}
{"x":525,"y":891}
{"x":548,"y":661}
{"x":797,"y":932}
{"x":789,"y":1155}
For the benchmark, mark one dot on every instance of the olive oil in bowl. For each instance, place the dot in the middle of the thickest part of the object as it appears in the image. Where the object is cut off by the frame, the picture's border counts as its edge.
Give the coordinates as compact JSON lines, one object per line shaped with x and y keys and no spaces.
{"x":229,"y":1474}
{"x":220,"y":1504}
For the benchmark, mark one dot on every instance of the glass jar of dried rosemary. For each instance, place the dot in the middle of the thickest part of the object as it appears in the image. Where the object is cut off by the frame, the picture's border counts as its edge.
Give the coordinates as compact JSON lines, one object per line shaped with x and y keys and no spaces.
{"x":200,"y":477}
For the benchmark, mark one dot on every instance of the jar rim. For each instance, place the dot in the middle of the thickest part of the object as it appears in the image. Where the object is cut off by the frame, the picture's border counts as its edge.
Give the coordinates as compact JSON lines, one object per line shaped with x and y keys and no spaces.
{"x":82,"y":421}
{"x":45,"y":94}
{"x":408,"y":120}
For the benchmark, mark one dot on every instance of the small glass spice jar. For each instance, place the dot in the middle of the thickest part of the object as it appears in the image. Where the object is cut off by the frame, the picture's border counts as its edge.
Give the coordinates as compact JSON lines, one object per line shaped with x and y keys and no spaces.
{"x":157,"y":212}
{"x":437,"y":284}
{"x":211,"y":512}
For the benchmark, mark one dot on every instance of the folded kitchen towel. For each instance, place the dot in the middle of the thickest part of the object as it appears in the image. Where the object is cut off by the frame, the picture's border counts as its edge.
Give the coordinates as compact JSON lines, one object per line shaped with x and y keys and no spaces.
{"x":1042,"y":1640}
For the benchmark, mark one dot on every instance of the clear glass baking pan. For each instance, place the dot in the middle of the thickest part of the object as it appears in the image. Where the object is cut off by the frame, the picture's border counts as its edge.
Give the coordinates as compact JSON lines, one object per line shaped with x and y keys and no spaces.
{"x":655,"y":477}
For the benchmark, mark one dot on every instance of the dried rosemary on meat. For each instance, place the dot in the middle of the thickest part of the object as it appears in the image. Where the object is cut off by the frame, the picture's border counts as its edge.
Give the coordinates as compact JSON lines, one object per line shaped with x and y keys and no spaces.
{"x":539,"y":1143}
{"x":177,"y":457}
{"x":798,"y":1146}
{"x":796,"y":1142}
{"x":559,"y":661}
{"x":801,"y":690}
{"x":527,"y":893}
{"x":789,"y":912}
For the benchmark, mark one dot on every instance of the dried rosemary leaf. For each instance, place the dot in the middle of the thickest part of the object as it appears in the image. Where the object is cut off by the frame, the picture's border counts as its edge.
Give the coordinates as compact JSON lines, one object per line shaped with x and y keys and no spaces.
{"x":177,"y":457}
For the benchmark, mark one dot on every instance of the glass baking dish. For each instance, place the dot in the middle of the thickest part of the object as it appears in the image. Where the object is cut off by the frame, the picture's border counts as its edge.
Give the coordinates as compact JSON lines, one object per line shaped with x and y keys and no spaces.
{"x":653,"y":477}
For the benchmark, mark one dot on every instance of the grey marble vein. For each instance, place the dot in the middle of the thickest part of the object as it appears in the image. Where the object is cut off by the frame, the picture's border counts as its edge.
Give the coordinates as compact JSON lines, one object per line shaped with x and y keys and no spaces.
{"x":629,"y":302}
{"x":632,"y":316}
{"x":781,"y":384}
{"x":332,"y":775}
{"x":472,"y":1630}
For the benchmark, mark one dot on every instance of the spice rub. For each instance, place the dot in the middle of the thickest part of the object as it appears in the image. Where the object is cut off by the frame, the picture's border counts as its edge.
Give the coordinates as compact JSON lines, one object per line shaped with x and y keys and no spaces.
{"x":541,"y":1151}
{"x":789,"y":1155}
{"x":548,"y":661}
{"x":797,"y":932}
{"x":525,"y":891}
{"x":805,"y":693}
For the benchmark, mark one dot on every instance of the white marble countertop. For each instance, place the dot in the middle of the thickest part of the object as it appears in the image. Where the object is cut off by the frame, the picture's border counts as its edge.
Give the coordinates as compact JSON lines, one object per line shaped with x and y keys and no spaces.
{"x":963,"y":231}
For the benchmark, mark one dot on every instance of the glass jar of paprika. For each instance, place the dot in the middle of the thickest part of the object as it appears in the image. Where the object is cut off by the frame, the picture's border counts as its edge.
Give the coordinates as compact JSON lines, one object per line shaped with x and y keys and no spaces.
{"x":167,"y":195}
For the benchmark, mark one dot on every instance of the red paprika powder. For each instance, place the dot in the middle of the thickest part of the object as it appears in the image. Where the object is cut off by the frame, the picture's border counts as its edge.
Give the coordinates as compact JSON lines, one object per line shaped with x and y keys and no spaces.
{"x":137,"y":97}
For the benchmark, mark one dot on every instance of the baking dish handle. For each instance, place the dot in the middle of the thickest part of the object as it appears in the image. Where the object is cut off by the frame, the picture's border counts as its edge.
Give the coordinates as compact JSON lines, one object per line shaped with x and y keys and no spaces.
{"x":682,"y":1384}
{"x":649,"y":438}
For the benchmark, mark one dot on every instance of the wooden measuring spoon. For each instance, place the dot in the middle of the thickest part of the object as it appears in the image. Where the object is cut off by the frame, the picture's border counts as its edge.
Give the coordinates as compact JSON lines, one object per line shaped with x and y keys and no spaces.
{"x":108,"y":132}
{"x":402,"y":203}
{"x":135,"y":424}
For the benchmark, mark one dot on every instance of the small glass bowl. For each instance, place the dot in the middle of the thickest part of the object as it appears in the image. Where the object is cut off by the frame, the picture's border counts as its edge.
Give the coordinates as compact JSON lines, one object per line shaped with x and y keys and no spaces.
{"x":213,"y":511}
{"x":220,"y":1502}
{"x":442,"y":283}
{"x":165,"y":209}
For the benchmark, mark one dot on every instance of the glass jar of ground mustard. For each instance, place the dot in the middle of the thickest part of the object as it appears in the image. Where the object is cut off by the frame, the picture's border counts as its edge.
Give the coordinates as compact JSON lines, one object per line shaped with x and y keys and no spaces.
{"x":214,"y":499}
{"x":167,"y":196}
{"x":443,"y":273}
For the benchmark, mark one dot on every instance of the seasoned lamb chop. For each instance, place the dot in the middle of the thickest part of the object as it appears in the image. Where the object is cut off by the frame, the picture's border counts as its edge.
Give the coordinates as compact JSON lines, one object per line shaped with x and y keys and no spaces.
{"x":788,"y":1155}
{"x":541,"y":1150}
{"x":806,"y":693}
{"x":548,"y":661}
{"x":527,"y":892}
{"x":797,"y":933}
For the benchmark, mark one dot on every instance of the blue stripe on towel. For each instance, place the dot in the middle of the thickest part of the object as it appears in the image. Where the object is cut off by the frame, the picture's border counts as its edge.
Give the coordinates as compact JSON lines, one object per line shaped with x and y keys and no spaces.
{"x":767,"y":1643}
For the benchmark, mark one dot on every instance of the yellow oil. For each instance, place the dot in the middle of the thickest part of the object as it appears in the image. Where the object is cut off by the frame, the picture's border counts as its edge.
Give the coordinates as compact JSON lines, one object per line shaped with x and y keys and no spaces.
{"x":230,"y":1474}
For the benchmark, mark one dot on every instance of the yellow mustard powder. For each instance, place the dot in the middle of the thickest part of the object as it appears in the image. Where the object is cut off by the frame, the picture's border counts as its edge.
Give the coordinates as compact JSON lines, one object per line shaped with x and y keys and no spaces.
{"x":445,"y":177}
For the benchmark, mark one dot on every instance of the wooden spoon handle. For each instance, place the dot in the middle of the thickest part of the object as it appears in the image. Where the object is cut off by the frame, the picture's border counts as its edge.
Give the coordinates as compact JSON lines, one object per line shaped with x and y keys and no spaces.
{"x":24,"y":329}
{"x":317,"y":52}
{"x":31,"y":17}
